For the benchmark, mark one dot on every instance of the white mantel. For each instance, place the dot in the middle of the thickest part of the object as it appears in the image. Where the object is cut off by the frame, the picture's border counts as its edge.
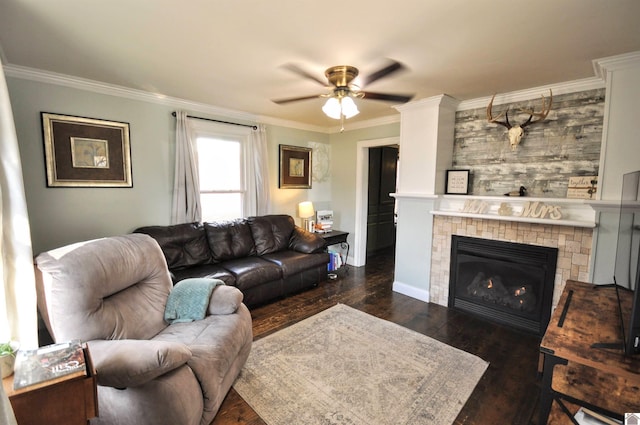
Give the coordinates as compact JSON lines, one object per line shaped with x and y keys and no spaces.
{"x":574,"y":212}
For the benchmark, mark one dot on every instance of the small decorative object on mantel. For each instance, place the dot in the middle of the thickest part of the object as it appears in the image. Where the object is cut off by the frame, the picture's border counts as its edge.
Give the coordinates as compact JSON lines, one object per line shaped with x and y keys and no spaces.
{"x":541,"y":210}
{"x":505,"y":209}
{"x":475,"y":206}
{"x":516,"y":131}
{"x":520,"y":192}
{"x":582,"y":187}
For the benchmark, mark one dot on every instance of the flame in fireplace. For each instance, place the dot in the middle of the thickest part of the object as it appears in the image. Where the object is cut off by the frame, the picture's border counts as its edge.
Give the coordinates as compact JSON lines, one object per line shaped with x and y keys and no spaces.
{"x":490,"y":283}
{"x":520,"y":291}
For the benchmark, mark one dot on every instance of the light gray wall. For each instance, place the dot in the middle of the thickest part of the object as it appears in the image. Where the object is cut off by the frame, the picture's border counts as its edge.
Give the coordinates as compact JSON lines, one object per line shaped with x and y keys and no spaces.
{"x":285,"y":201}
{"x":343,"y":171}
{"x":59,"y":216}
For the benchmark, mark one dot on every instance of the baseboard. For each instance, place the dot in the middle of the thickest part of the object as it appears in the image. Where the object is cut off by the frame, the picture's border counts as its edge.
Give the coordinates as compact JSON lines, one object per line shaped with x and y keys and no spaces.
{"x":411,"y":291}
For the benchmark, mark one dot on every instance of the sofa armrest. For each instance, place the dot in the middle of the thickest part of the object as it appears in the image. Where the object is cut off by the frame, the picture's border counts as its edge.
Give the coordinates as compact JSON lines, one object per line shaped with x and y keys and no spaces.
{"x":306,"y":242}
{"x":128,"y":363}
{"x":224,"y":300}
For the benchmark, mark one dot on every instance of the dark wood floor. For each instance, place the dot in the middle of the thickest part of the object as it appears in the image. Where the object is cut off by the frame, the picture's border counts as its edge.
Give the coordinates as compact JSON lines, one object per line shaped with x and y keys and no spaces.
{"x":508,"y":392}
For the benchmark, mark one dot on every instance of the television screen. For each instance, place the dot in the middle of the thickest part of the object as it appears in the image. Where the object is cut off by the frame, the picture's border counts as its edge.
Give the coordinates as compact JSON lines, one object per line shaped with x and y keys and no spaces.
{"x":628,"y":232}
{"x":627,"y":267}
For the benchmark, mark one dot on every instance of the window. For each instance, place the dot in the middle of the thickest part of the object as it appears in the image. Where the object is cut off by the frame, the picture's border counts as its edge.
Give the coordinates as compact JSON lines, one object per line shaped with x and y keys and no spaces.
{"x":232,"y":166}
{"x":221,"y":183}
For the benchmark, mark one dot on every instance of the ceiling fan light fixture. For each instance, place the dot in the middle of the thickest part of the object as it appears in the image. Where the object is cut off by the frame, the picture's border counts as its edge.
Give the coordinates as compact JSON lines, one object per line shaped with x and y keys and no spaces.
{"x":332,"y":108}
{"x":349,"y":108}
{"x":336,"y":108}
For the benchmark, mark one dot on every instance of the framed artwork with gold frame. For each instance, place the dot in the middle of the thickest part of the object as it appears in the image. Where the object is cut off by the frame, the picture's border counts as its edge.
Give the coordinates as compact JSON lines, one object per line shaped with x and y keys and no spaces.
{"x":295,"y":167}
{"x":86,"y":152}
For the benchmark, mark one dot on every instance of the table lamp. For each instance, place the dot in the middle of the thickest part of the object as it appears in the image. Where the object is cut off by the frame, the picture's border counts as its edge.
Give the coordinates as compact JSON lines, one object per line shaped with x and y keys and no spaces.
{"x":305,"y":211}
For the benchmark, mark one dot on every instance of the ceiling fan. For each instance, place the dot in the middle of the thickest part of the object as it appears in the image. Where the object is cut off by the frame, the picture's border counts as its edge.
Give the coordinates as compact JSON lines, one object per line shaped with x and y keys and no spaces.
{"x":342,"y":90}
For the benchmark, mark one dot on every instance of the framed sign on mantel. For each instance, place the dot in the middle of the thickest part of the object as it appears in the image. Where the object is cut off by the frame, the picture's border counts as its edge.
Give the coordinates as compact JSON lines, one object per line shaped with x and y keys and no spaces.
{"x":457,"y":182}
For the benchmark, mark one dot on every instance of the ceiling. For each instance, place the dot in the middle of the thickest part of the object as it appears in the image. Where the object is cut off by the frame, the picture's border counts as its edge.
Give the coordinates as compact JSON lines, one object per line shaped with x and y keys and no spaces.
{"x":231,"y":54}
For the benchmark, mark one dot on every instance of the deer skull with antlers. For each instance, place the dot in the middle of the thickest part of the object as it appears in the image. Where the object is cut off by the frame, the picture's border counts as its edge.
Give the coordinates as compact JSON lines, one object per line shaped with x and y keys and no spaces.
{"x":516,"y":132}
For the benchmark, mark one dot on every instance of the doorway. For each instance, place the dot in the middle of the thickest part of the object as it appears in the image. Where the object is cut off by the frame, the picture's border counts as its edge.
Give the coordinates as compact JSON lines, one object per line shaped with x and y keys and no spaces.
{"x":381,"y":208}
{"x":362,"y":195}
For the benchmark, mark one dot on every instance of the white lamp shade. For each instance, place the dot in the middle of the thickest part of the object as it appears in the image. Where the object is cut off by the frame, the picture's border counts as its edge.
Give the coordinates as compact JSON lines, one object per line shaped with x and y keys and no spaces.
{"x":305,"y":209}
{"x":349,"y":108}
{"x":332,"y":108}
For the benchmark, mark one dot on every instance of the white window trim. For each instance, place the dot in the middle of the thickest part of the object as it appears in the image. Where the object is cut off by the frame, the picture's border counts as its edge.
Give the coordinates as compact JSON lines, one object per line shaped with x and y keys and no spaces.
{"x":203,"y":128}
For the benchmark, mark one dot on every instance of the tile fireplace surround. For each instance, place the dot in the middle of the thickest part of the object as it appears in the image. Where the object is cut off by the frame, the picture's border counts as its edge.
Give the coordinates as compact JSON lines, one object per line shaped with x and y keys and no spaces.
{"x":573,"y":238}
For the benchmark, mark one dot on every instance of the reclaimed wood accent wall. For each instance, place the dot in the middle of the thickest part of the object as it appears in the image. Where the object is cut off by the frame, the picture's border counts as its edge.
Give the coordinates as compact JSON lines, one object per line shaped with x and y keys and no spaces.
{"x":566,"y":144}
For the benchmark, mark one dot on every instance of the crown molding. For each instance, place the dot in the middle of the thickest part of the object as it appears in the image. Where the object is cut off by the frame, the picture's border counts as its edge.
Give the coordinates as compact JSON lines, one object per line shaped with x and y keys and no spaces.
{"x":292,"y":124}
{"x":439,"y":100}
{"x":533,"y":93}
{"x":603,"y":66}
{"x":600,"y":66}
{"x":37,"y":75}
{"x":359,"y":125}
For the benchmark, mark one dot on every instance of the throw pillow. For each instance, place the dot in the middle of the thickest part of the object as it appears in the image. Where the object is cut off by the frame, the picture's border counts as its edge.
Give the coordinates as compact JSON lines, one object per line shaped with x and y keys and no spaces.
{"x":225,"y":300}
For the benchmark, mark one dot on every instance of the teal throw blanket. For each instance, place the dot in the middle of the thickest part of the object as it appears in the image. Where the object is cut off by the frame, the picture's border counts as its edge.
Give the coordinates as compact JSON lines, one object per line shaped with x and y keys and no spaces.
{"x":189,"y":299}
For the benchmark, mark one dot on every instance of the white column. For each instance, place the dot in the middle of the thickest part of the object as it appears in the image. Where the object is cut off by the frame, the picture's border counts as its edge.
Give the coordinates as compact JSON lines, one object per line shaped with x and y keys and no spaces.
{"x":426,"y":150}
{"x":620,"y":142}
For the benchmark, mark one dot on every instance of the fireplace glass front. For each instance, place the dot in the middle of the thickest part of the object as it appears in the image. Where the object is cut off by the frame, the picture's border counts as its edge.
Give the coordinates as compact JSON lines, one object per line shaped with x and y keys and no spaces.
{"x":509,"y":283}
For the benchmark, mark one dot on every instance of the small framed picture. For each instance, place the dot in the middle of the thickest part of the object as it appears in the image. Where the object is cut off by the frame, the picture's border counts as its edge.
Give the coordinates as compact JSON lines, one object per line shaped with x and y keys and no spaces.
{"x":86,"y":152}
{"x":457,"y":182}
{"x":295,"y":167}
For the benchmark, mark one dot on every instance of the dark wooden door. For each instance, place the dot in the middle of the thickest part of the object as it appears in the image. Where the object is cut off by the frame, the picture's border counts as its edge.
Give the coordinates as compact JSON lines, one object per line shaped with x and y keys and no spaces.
{"x":381,"y":229}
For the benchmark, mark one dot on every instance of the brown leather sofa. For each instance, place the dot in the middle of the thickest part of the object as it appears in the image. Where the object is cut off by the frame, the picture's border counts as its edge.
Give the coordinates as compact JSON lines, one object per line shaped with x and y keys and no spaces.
{"x":266,"y":257}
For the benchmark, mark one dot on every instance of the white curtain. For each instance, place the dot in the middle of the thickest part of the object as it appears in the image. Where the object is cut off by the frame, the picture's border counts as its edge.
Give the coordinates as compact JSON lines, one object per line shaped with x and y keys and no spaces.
{"x":257,"y":199}
{"x":186,"y":183}
{"x":7,"y":416}
{"x":18,"y":317}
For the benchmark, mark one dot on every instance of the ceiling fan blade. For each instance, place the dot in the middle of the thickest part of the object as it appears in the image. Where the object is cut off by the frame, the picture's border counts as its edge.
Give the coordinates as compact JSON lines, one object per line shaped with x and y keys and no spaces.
{"x":394,"y":66}
{"x":400,"y":98}
{"x":304,"y":73}
{"x":294,"y":99}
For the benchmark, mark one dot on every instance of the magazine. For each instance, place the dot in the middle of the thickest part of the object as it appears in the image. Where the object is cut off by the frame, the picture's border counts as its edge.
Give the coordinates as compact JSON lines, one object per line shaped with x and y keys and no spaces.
{"x":49,"y":363}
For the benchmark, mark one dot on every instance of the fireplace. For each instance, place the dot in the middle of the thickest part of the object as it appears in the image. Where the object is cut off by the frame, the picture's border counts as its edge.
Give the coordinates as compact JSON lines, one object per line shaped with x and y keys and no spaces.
{"x":506,"y":282}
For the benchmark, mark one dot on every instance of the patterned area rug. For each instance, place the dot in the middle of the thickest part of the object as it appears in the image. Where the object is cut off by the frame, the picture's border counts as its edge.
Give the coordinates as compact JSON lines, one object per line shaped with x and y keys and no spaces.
{"x":346,"y":367}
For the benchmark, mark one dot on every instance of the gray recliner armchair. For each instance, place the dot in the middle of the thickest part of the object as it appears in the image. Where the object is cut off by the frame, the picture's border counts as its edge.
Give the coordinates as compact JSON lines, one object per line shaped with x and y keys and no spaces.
{"x":111,"y":293}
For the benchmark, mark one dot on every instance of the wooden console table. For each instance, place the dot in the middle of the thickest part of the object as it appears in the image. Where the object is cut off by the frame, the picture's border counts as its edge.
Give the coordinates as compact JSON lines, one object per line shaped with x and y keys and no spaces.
{"x":603,"y":380}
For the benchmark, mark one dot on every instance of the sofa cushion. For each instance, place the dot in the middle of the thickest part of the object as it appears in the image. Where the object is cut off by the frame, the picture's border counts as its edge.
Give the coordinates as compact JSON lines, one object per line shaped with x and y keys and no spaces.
{"x":128,"y":363}
{"x":292,"y":262}
{"x":271,"y":233}
{"x":210,"y":271}
{"x":183,"y":245}
{"x":230,"y":239}
{"x":252,"y":271}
